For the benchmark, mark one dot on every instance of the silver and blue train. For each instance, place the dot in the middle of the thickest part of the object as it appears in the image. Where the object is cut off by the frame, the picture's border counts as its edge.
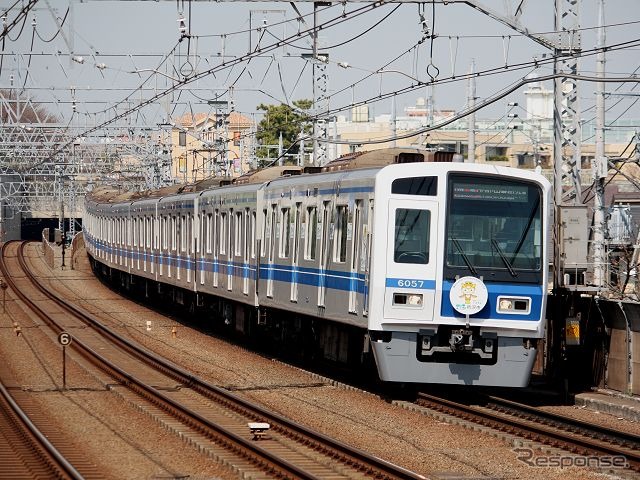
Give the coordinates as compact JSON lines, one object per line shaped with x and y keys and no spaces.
{"x":437,"y":269}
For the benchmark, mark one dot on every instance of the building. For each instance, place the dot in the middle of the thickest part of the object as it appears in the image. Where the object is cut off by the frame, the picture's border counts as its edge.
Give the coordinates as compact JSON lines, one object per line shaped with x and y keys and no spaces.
{"x":523,"y":137}
{"x":207,"y":145}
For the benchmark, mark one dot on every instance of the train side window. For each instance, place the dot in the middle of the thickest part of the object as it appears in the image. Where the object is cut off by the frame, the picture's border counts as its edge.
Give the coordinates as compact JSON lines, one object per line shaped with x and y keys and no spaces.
{"x":296,"y":232}
{"x":415,"y":186}
{"x":215,"y":228}
{"x":208,"y":232}
{"x":263,"y":243}
{"x":238,"y":234}
{"x":252,"y":237}
{"x":340,"y":234}
{"x":183,"y":233}
{"x":156,"y":232}
{"x":355,"y":246}
{"x":285,"y":229}
{"x":412,"y":229}
{"x":148,"y":232}
{"x":191,"y":238}
{"x":311,"y":235}
{"x":272,"y":236}
{"x":248,"y":232}
{"x":324,"y":245}
{"x":223,"y":233}
{"x":135,"y":232}
{"x":174,"y":233}
{"x":165,"y":234}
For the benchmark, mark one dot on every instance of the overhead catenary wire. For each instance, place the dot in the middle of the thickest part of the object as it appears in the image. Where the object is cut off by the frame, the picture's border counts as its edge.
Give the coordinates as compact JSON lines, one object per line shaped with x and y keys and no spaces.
{"x":58,"y":30}
{"x":483,"y":73}
{"x":332,"y":22}
{"x":494,"y":98}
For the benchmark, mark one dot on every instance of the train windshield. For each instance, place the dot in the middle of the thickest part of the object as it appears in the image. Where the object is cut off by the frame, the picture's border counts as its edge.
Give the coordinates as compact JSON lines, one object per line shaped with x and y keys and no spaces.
{"x":493,"y":224}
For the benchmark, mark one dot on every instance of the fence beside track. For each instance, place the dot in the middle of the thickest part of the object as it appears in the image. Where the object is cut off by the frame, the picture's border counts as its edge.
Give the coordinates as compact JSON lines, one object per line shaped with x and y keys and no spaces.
{"x":47,"y":249}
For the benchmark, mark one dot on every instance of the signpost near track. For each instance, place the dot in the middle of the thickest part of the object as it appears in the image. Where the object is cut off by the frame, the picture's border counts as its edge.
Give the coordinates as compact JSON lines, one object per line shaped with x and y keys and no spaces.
{"x":64,"y":338}
{"x":3,"y":286}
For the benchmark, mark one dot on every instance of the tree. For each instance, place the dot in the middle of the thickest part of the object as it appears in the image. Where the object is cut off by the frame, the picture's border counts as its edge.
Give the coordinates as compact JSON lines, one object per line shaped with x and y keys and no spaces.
{"x":20,"y":108}
{"x":291,"y":121}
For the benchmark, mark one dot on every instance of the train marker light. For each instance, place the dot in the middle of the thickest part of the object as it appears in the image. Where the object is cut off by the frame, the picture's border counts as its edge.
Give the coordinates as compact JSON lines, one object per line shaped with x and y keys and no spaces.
{"x":414,"y":299}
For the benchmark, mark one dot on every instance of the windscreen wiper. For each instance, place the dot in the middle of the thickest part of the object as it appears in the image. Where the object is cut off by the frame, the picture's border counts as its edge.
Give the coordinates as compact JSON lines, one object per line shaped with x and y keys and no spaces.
{"x":503,"y":257}
{"x":464,"y":256}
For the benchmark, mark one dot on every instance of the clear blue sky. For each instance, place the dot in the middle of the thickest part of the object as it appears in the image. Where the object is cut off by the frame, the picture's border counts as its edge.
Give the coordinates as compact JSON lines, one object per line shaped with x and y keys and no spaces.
{"x":107,"y":32}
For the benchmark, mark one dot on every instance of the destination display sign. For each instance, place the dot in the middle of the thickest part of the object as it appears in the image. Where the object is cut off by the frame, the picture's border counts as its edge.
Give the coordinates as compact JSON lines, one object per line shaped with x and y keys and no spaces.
{"x":494,"y":193}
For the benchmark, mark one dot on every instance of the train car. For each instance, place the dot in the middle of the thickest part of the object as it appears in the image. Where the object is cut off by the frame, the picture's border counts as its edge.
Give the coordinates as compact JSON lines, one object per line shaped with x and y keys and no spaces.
{"x":435,"y":268}
{"x":458,"y":273}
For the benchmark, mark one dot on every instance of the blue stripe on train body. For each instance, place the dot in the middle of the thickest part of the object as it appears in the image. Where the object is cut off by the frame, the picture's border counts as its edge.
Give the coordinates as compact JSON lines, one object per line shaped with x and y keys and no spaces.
{"x":494,"y":290}
{"x":332,"y":279}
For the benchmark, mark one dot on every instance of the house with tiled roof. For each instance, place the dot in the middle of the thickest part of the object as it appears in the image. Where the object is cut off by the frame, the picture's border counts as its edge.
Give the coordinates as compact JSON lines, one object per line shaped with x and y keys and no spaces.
{"x":206,"y":145}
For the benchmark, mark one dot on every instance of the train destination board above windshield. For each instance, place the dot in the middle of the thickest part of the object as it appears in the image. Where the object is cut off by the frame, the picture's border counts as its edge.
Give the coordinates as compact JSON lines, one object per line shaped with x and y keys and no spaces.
{"x":496,"y":193}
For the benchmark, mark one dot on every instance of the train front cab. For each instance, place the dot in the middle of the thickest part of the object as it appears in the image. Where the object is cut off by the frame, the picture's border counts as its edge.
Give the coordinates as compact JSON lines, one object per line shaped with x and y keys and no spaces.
{"x":420,"y":251}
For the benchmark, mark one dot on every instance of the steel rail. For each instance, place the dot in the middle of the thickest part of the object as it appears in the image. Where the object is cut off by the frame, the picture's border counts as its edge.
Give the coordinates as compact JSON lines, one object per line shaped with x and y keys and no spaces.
{"x":530,"y":429}
{"x":339,"y":451}
{"x":46,"y":451}
{"x":625,"y":439}
{"x":229,"y":440}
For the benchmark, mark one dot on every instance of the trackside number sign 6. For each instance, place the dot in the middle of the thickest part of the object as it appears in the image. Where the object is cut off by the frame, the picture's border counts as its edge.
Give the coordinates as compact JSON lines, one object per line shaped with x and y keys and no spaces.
{"x":64,"y":338}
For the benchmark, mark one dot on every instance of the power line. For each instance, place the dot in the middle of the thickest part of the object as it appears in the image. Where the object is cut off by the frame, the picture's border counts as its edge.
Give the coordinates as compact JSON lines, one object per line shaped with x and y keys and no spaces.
{"x":484,"y":73}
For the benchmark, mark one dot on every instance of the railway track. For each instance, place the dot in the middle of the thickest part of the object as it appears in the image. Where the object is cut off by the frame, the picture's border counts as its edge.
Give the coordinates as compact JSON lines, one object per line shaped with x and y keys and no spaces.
{"x":25,"y":451}
{"x":217,"y":421}
{"x":574,"y":436}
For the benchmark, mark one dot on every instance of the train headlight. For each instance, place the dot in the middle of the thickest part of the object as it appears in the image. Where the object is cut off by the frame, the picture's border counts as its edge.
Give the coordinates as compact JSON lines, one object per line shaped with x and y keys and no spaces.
{"x":505,"y":305}
{"x":514,"y":305}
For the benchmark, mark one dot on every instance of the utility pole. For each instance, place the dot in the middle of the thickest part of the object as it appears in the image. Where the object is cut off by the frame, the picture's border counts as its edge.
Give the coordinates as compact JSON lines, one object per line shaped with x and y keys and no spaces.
{"x":566,"y":125}
{"x":394,"y":127}
{"x":320,"y":99}
{"x":471,"y":118}
{"x":600,"y":166}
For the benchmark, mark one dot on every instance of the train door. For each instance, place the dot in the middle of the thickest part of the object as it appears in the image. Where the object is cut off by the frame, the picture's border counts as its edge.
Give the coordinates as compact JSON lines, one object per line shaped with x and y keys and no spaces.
{"x":355,"y":257}
{"x":248,"y":232}
{"x":324,"y":253}
{"x":120,"y":241}
{"x":234,"y":245}
{"x":216,"y":247}
{"x":154,"y":242}
{"x":191,"y":238}
{"x":180,"y":248}
{"x":272,"y":250}
{"x":205,"y":246}
{"x":162,"y":244}
{"x":411,"y":260}
{"x":173,"y":235}
{"x":295,"y":254}
{"x":367,"y":259}
{"x":146,"y":241}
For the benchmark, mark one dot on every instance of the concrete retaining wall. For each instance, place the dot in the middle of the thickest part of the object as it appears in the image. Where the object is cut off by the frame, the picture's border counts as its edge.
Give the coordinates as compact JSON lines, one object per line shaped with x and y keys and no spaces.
{"x":623,"y":364}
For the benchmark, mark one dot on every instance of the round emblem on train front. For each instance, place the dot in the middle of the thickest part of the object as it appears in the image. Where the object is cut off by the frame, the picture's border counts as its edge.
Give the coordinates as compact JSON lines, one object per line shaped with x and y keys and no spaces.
{"x":468,"y":295}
